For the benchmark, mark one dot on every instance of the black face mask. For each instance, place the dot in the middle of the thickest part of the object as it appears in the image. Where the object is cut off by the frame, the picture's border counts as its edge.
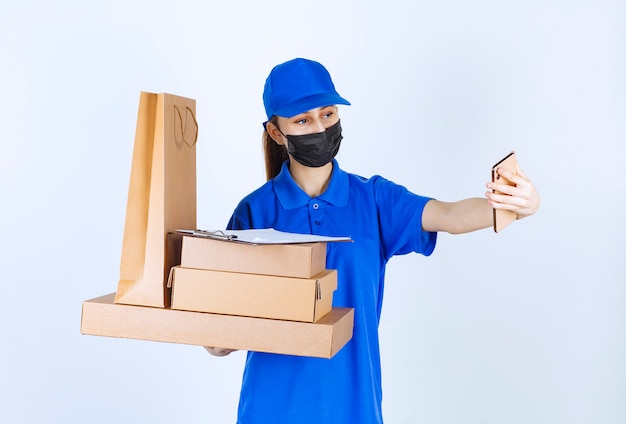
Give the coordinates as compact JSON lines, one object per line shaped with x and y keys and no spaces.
{"x":315,"y":150}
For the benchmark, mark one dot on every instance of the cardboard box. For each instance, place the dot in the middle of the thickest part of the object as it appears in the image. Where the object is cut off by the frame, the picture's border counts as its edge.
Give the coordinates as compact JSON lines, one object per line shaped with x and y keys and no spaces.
{"x":323,"y":339}
{"x":253,"y":295}
{"x":301,"y":260}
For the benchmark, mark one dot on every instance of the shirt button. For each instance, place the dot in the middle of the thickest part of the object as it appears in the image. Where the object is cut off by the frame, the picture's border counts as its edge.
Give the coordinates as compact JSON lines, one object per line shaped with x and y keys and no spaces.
{"x":317,"y":223}
{"x":316,"y":206}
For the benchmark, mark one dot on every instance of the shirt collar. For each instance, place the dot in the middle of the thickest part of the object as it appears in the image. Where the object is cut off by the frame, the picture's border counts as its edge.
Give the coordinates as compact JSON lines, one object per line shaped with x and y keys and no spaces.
{"x":290,"y":195}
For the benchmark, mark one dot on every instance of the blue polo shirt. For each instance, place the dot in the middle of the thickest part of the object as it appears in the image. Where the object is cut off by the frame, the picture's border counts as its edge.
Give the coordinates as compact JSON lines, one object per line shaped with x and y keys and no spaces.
{"x":384,"y":219}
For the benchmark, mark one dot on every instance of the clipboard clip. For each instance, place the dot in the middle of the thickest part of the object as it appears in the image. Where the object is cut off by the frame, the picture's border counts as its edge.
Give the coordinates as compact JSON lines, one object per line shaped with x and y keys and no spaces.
{"x":217,"y":234}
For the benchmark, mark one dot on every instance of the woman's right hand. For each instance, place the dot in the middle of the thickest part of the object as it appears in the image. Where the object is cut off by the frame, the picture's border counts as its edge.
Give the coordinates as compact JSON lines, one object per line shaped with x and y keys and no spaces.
{"x":219,"y":351}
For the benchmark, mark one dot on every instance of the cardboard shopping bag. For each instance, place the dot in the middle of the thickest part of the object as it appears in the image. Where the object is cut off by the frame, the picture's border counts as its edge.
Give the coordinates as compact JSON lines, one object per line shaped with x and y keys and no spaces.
{"x":161,"y":197}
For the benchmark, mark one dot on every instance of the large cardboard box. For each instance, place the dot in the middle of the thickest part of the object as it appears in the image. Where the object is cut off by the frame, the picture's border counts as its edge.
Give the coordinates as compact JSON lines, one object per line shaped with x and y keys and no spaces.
{"x":254,"y":295}
{"x":301,"y":260}
{"x":323,"y":339}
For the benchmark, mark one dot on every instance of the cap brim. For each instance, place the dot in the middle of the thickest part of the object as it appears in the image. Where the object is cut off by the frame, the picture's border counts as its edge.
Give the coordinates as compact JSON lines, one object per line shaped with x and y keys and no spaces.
{"x":311,"y":102}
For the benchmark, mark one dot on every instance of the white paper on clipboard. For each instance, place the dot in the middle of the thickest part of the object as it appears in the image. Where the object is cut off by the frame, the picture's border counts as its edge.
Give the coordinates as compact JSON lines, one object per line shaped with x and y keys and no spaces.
{"x":264,"y":236}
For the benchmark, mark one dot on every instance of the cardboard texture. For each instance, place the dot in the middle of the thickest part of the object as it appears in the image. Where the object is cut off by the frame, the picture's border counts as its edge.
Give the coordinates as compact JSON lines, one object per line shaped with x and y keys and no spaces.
{"x":103,"y":317}
{"x":263,"y":296}
{"x":161,"y":196}
{"x":303,"y":260}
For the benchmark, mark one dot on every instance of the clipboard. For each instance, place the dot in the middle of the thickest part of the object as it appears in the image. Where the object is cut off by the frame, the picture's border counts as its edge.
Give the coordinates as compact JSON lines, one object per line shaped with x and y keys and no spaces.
{"x":262,"y":236}
{"x":217,"y":234}
{"x":502,"y":218}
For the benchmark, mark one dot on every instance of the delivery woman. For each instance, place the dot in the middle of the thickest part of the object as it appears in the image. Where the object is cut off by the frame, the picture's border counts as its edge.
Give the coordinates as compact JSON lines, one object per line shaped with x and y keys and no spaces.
{"x":308,"y":192}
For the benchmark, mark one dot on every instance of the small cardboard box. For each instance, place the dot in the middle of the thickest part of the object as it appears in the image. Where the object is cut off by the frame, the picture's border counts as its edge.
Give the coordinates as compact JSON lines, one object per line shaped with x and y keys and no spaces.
{"x":301,"y":260}
{"x":323,"y":339}
{"x":253,"y":295}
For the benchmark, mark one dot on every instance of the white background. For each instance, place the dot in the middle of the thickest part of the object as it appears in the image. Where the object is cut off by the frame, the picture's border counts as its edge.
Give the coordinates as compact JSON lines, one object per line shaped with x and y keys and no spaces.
{"x":526,"y":326}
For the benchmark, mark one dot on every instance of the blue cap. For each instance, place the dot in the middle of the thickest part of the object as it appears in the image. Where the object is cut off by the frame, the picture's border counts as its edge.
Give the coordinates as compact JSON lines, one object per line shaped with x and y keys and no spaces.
{"x":299,"y":85}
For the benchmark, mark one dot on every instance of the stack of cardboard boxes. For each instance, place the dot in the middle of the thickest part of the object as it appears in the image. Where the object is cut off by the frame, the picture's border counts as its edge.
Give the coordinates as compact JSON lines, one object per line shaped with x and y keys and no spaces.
{"x":280,"y":282}
{"x":274,"y":298}
{"x":277,"y":281}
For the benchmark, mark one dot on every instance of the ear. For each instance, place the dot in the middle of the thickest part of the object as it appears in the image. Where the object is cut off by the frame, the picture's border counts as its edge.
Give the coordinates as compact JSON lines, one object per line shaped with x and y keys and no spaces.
{"x":275,"y":133}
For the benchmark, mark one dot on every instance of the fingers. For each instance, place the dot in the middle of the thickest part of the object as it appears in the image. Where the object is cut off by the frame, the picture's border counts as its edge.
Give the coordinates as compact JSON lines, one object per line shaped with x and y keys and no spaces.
{"x":522,"y":198}
{"x":505,"y":201}
{"x":515,"y":178}
{"x":505,"y":188}
{"x":519,"y":184}
{"x":218,"y":351}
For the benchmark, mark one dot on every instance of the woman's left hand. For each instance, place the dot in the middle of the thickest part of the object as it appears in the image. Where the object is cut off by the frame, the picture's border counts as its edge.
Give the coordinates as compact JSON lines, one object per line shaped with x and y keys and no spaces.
{"x":219,"y":351}
{"x":521,"y":198}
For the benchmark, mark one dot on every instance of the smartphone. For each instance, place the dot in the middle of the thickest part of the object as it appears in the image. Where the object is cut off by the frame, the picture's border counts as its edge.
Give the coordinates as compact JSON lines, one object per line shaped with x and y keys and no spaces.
{"x":502,"y":218}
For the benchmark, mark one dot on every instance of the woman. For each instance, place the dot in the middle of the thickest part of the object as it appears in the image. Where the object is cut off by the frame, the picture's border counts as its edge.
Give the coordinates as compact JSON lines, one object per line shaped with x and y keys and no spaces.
{"x":307,"y":192}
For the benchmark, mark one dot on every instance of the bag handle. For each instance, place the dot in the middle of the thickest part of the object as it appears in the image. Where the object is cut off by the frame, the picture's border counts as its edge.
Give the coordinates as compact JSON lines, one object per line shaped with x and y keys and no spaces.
{"x":182,"y":127}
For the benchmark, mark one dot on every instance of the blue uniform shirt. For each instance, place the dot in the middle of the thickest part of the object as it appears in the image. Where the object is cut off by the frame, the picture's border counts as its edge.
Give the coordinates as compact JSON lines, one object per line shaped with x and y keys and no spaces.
{"x":384,"y":219}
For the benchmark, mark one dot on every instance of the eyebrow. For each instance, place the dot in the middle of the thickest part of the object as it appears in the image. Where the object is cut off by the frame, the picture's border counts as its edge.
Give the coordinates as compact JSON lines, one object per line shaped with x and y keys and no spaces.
{"x":303,"y":114}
